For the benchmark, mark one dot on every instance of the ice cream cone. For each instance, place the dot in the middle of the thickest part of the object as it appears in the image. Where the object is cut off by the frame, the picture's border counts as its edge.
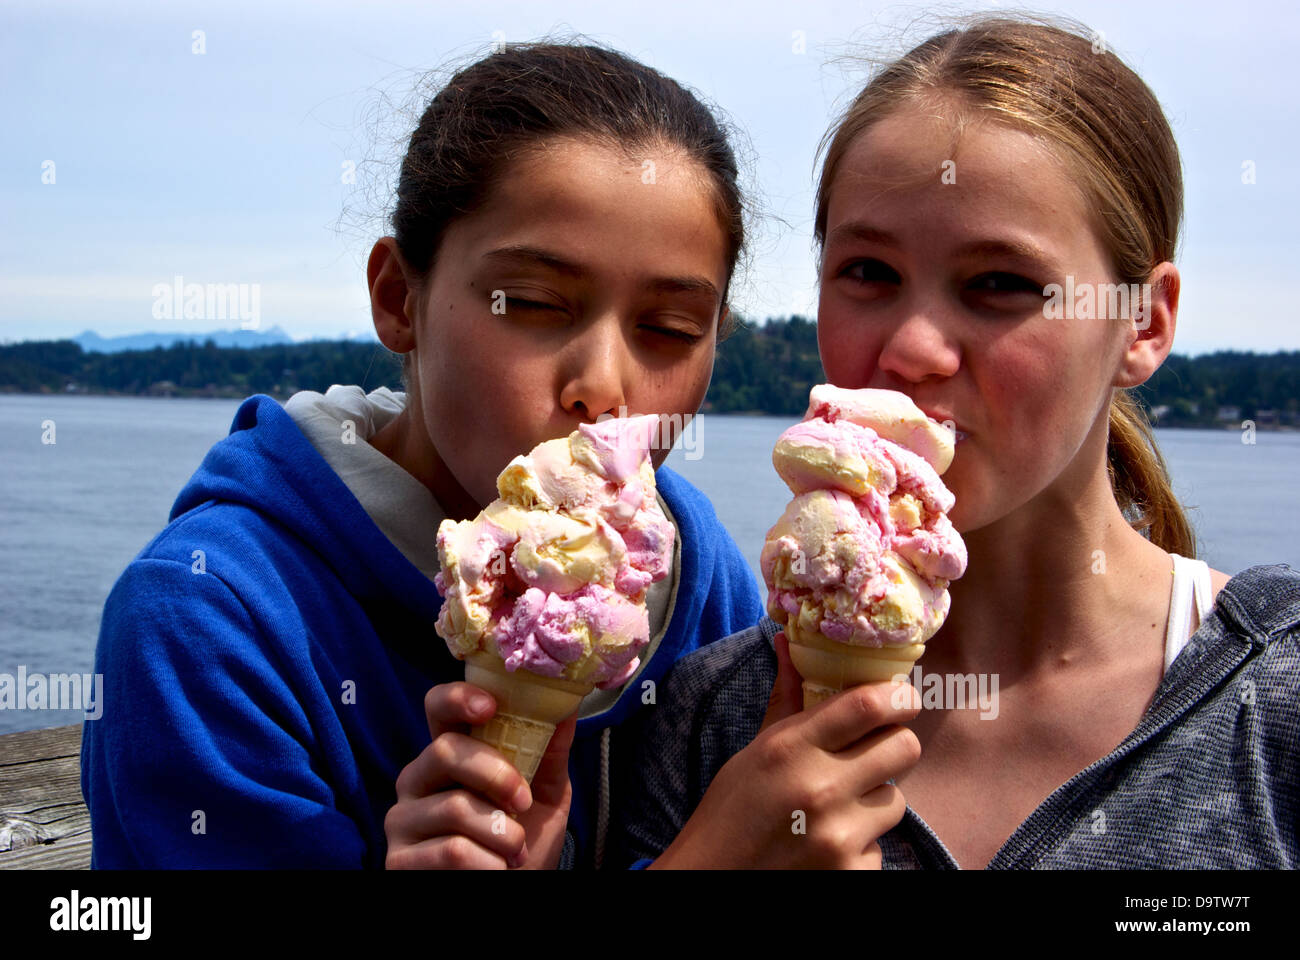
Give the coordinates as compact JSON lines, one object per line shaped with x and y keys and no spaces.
{"x":528,"y":708}
{"x":828,"y":666}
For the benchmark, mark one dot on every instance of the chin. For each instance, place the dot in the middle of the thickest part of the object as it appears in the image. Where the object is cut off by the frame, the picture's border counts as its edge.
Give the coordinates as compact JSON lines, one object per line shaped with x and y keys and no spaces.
{"x":965,"y":516}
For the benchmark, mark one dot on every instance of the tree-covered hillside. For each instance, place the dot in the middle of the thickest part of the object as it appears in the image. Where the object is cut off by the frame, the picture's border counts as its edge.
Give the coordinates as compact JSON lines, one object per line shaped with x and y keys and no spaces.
{"x":761,"y":368}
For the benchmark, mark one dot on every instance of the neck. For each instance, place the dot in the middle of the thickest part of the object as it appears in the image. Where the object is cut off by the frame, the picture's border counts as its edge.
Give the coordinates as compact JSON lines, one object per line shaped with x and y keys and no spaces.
{"x":1063,"y":579}
{"x":406,"y":442}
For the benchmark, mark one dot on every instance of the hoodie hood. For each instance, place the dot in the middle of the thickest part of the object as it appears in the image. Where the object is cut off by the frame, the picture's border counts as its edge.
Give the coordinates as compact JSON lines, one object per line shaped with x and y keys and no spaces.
{"x":268,"y":465}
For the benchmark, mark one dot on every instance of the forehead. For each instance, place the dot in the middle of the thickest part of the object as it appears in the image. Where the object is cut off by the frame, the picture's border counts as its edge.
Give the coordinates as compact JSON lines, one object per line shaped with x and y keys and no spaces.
{"x":582,"y":178}
{"x":920,"y":161}
{"x":590,"y":198}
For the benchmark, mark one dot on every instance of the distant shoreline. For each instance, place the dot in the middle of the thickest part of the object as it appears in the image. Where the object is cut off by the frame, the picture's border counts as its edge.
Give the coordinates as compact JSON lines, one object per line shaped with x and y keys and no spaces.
{"x":761,"y":370}
{"x":231,"y":393}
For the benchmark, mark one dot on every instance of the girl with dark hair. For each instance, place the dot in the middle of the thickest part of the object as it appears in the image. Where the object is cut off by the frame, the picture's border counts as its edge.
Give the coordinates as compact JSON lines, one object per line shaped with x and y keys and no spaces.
{"x":567,"y":225}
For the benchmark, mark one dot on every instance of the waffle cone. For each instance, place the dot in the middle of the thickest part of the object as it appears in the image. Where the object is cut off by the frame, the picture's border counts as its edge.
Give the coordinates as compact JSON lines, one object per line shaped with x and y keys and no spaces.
{"x":528,"y":708}
{"x":827,"y":666}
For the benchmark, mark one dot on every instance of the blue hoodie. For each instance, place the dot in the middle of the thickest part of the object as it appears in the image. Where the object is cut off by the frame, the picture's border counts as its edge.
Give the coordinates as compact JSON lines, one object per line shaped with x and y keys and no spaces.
{"x":266,"y":656}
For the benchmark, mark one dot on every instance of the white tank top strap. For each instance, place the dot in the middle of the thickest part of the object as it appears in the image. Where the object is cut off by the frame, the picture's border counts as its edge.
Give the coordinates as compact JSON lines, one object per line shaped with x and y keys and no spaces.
{"x":1192,"y":593}
{"x":1204,"y":590}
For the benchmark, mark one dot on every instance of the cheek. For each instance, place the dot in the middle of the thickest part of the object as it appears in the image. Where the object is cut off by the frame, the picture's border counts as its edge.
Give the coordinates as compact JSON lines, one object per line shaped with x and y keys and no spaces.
{"x":674,"y":387}
{"x":699,"y":377}
{"x":479,"y":400}
{"x":848,"y":349}
{"x":1033,"y":416}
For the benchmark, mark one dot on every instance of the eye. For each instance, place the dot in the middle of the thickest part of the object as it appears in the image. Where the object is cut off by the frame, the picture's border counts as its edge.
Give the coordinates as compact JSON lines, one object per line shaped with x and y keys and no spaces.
{"x":672,"y":333}
{"x":1005,"y":283}
{"x":871,"y":271}
{"x":514,"y":303}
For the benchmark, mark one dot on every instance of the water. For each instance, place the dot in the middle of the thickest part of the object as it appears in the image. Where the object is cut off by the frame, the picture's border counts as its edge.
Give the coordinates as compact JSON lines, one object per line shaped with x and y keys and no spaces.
{"x":74,"y":512}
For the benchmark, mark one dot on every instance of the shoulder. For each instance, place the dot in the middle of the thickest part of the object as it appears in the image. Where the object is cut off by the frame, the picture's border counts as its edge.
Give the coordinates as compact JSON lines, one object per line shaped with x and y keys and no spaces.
{"x":1218,"y":580}
{"x":236,"y":542}
{"x":733,"y":674}
{"x":171,"y":623}
{"x":684,"y":498}
{"x":1256,"y":627}
{"x":221,"y":571}
{"x":693,"y":515}
{"x":711,"y":707}
{"x":1262,"y":603}
{"x":715,"y":572}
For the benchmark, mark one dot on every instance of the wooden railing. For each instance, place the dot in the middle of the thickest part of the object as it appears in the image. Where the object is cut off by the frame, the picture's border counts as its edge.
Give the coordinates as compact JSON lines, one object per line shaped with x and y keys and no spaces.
{"x":44,"y":823}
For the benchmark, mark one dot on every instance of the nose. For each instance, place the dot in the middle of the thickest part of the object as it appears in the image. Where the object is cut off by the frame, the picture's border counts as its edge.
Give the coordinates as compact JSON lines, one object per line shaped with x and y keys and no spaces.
{"x":918,"y":347}
{"x":593,"y":372}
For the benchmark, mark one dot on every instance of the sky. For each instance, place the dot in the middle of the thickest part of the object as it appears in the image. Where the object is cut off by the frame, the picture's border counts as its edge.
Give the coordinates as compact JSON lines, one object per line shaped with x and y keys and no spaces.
{"x":130,"y":159}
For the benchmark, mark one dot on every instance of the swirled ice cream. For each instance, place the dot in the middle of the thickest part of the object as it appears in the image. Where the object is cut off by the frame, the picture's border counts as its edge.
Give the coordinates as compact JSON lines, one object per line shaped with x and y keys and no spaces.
{"x":551,"y":577}
{"x":863,"y":554}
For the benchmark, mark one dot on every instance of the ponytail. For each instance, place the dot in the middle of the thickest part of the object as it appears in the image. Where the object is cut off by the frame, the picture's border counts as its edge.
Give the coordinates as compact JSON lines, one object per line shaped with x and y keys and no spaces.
{"x":1140,"y":479}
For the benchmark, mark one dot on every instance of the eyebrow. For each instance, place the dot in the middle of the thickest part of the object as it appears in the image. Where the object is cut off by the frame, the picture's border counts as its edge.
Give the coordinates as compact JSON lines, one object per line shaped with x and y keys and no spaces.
{"x":522,"y":253}
{"x":1015,"y":248}
{"x":860,"y":231}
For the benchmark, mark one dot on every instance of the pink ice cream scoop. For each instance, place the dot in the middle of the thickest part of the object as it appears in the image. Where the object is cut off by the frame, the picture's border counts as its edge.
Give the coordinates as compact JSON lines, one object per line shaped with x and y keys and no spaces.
{"x":863,"y":554}
{"x":551,"y":577}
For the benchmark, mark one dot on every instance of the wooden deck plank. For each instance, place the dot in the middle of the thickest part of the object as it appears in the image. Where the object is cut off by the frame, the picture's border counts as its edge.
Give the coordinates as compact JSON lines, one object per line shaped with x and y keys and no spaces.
{"x":44,"y":823}
{"x":40,"y":744}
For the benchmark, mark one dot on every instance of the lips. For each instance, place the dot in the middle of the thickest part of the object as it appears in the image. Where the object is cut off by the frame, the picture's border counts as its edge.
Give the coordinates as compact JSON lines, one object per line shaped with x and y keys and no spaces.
{"x":940,"y":416}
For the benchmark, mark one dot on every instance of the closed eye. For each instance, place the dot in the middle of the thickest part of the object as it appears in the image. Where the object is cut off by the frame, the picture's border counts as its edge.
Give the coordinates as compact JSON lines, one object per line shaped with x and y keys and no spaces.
{"x":671,"y":332}
{"x":515,"y":302}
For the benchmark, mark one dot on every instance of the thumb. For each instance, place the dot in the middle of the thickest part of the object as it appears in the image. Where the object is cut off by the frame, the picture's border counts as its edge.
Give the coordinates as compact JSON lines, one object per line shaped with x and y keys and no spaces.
{"x":787,"y":690}
{"x":552,"y":778}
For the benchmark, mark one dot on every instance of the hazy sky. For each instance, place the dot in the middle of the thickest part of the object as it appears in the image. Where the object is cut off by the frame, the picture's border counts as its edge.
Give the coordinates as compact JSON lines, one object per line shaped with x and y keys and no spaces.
{"x":229,"y":166}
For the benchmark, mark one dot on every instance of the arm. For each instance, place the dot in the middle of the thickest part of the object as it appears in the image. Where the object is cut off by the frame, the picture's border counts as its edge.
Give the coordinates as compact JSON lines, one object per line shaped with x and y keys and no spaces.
{"x":203,"y":756}
{"x":811,"y":789}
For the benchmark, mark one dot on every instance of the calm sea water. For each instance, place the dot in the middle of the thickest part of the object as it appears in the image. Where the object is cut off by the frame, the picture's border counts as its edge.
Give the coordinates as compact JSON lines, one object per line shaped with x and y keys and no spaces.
{"x":74,"y":512}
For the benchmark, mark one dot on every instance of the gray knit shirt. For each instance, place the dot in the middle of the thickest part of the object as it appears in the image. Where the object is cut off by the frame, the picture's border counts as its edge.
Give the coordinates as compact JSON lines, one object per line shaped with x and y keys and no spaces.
{"x":1209,"y":779}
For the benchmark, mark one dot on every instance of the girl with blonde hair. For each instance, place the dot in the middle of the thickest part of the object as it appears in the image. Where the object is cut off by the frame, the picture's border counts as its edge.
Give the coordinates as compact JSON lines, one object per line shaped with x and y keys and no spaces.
{"x":1147,"y":708}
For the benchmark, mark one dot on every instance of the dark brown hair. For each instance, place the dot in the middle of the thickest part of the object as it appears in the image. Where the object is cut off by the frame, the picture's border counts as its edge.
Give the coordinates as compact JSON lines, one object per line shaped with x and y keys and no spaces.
{"x":499,"y":107}
{"x":1056,"y":79}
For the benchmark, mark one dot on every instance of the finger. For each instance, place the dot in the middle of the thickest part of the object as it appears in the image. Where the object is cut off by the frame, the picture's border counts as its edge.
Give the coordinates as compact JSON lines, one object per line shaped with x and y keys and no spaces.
{"x":450,"y":706}
{"x":786,"y":698}
{"x":851,"y":714}
{"x":455,"y":759}
{"x":887,"y":753}
{"x":551,"y":782}
{"x":858,"y":830}
{"x":886,"y":806}
{"x":445,"y":853}
{"x":456,"y":812}
{"x":872,"y":859}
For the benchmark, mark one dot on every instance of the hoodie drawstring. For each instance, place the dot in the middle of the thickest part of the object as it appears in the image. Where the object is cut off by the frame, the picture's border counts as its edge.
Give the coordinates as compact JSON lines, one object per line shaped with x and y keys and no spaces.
{"x":602,"y":804}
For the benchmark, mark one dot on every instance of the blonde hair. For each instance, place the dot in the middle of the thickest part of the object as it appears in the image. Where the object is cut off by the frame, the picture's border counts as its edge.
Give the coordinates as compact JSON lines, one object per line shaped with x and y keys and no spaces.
{"x":1055,"y":79}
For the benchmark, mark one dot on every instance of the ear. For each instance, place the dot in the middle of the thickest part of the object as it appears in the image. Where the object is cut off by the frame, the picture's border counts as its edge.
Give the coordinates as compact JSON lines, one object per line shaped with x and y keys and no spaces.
{"x":1150,"y":334}
{"x":393,"y":302}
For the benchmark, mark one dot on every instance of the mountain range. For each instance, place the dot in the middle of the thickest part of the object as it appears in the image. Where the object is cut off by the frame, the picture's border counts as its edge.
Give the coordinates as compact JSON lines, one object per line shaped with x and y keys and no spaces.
{"x":92,"y":342}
